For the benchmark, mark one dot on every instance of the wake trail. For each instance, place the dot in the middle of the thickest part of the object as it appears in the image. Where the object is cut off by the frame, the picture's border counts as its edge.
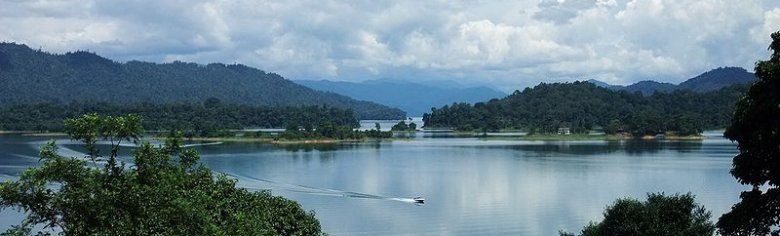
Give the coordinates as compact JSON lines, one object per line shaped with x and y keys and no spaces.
{"x":297,"y":188}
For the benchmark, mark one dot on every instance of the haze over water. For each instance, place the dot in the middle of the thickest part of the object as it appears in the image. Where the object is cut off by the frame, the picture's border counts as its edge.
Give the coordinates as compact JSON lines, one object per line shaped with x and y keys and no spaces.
{"x":472,"y":186}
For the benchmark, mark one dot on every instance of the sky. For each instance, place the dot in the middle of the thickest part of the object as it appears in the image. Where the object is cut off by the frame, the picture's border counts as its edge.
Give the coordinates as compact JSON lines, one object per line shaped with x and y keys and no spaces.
{"x":504,"y":44}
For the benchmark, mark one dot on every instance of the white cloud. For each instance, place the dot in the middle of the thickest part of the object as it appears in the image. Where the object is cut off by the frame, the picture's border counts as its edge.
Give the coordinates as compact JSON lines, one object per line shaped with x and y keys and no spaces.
{"x":771,"y":24}
{"x":510,"y":44}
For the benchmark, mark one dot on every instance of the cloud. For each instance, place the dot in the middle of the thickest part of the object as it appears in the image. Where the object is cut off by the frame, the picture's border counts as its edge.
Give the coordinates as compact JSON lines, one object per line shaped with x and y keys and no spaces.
{"x":508,"y":44}
{"x":560,"y":12}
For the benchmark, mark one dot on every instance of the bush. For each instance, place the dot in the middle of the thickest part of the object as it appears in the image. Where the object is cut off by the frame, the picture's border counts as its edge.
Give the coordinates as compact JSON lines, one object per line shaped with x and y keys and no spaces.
{"x":660,"y":215}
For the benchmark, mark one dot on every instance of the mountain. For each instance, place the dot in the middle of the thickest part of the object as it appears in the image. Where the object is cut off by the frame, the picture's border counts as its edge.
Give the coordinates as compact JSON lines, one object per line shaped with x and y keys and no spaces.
{"x":34,"y":76}
{"x":601,"y":84}
{"x":708,"y":81}
{"x":414,"y":98}
{"x":718,"y":78}
{"x":648,"y":87}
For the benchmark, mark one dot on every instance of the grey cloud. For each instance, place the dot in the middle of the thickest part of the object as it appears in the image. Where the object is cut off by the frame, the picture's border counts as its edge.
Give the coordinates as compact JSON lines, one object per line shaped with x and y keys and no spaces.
{"x":561,"y":12}
{"x":555,"y":14}
{"x":472,"y":41}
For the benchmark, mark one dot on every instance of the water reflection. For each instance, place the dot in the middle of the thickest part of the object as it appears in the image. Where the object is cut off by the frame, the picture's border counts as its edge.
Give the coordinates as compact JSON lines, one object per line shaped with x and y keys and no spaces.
{"x":471,"y":186}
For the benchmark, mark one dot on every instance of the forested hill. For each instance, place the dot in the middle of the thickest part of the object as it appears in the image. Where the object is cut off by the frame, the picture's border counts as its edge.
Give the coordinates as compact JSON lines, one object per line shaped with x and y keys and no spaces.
{"x":414,"y":98}
{"x":708,"y":81}
{"x":583,"y":106}
{"x":718,"y":78}
{"x":30,"y":76}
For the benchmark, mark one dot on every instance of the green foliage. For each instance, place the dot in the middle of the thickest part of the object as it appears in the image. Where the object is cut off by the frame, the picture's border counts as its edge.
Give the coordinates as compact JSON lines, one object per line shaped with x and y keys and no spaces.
{"x":756,"y":128}
{"x":402,"y":126}
{"x":660,"y":215}
{"x":377,"y":132}
{"x":30,"y":76}
{"x":327,"y":130}
{"x":582,"y":106}
{"x":614,"y":126}
{"x":165,"y":192}
{"x":209,"y":119}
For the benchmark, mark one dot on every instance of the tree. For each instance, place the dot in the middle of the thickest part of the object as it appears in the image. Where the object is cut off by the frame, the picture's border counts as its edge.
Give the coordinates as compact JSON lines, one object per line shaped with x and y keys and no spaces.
{"x":401,"y":126}
{"x":612,"y":127}
{"x":211,"y":102}
{"x":660,"y":215}
{"x":756,"y":129}
{"x":165,"y":192}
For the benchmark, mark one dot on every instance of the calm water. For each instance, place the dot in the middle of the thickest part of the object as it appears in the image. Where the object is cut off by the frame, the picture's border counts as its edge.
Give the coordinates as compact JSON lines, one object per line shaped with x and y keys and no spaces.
{"x":472,"y":186}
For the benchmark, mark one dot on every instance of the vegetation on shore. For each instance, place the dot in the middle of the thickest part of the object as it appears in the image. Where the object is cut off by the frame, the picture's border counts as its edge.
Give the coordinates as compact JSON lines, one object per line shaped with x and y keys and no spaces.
{"x":402,"y":126}
{"x":164,"y":192}
{"x":581,"y":107}
{"x":330,"y":131}
{"x":659,"y":215}
{"x":212,"y":118}
{"x":756,"y":129}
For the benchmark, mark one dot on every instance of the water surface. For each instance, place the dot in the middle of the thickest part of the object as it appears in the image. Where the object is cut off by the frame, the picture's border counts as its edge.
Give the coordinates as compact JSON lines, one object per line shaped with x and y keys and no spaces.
{"x":472,"y":186}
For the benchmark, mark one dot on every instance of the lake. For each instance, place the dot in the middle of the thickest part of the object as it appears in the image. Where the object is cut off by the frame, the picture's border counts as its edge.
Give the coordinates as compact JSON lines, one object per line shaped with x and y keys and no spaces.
{"x":471,"y":186}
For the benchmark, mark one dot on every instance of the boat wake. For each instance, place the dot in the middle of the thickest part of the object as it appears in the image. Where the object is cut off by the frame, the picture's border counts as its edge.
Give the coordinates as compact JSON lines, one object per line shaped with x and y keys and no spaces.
{"x":68,"y":152}
{"x":296,"y":188}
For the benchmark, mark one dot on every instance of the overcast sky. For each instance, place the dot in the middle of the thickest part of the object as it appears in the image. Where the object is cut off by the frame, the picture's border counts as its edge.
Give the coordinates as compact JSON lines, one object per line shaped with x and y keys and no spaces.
{"x":507,"y":44}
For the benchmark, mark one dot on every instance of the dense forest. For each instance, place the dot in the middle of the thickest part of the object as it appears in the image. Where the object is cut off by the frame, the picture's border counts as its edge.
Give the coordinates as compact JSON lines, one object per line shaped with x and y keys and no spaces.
{"x":33,"y":76}
{"x":582,"y":106}
{"x":205,"y":119}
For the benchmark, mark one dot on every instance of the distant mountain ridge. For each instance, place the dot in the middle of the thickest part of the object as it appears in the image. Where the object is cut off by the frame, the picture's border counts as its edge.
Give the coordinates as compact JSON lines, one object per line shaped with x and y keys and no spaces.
{"x":414,"y":98}
{"x":708,"y":81}
{"x":28,"y":76}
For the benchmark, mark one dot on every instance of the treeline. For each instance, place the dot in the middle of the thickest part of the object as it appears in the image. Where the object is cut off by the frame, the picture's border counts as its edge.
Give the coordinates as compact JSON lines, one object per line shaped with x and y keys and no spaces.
{"x":582,"y":106}
{"x":328,"y":130}
{"x":32,"y":76}
{"x":204,"y":119}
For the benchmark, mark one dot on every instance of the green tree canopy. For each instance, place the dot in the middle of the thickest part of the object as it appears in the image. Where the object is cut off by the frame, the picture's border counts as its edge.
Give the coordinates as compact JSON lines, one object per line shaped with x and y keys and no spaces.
{"x":401,"y":126}
{"x":203,"y":119}
{"x":582,"y":106}
{"x":660,"y":215}
{"x":163,"y":193}
{"x":756,"y":128}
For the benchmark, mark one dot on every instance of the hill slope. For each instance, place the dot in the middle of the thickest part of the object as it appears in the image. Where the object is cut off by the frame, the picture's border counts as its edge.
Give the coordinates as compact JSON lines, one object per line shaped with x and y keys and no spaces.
{"x":414,"y":98}
{"x":33,"y":76}
{"x":583,"y":106}
{"x":649,"y":87}
{"x":708,"y":81}
{"x":718,"y":78}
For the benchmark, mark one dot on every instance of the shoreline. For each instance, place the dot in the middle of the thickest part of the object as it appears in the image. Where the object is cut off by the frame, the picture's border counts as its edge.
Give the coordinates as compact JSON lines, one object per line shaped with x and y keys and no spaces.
{"x":578,"y":137}
{"x":279,"y":142}
{"x":33,"y":133}
{"x":531,"y":137}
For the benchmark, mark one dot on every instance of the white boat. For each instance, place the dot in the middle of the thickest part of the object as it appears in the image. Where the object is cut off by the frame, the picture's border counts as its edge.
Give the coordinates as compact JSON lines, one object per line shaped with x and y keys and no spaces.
{"x":418,"y":200}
